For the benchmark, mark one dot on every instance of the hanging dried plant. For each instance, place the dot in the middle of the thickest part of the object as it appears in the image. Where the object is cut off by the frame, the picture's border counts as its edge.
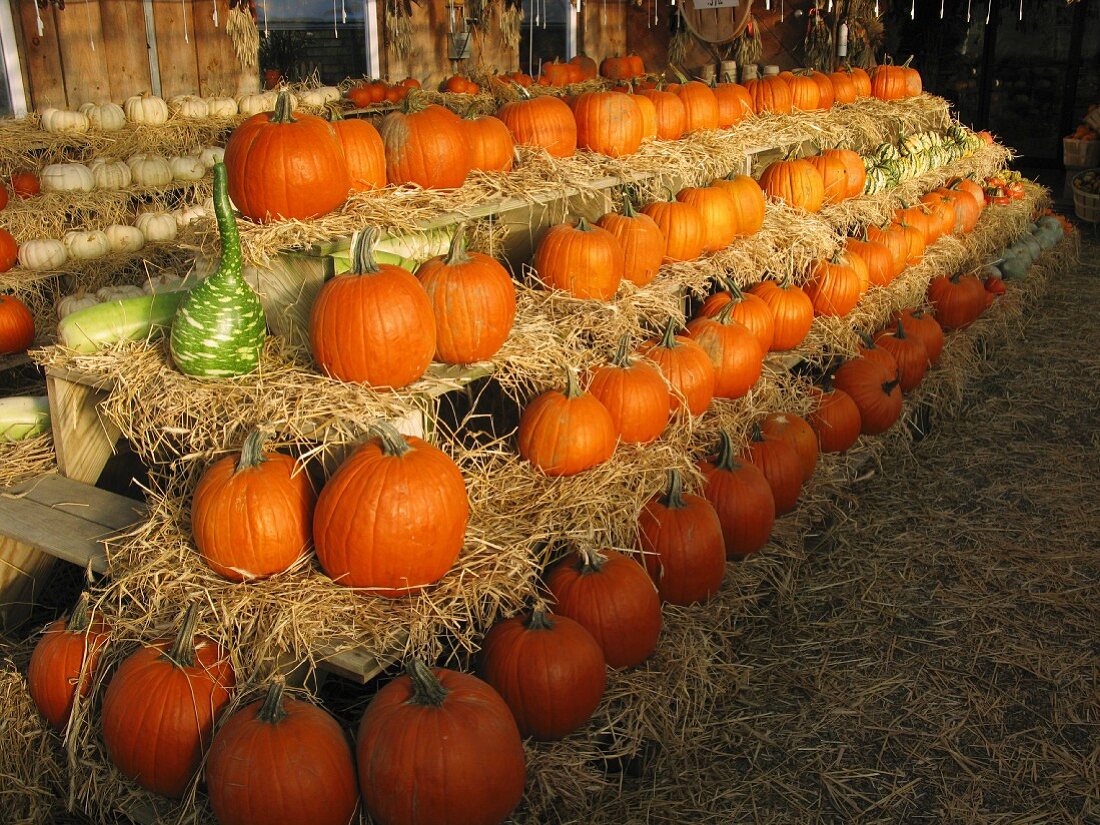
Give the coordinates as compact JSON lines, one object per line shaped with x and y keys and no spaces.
{"x":244,"y":35}
{"x":748,"y":47}
{"x":399,"y":27}
{"x":818,"y":45}
{"x":678,"y":46}
{"x":510,"y":23}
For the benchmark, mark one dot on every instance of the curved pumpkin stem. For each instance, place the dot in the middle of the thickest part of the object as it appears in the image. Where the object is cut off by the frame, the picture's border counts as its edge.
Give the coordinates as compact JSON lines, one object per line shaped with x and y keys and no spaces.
{"x":683,"y":78}
{"x":428,"y":691}
{"x":673,"y":498}
{"x":572,"y":386}
{"x":725,"y":459}
{"x":725,"y":314}
{"x":284,"y":112}
{"x":272,"y":710}
{"x":868,"y":341}
{"x":629,"y":210}
{"x":668,"y":339}
{"x":362,"y":252}
{"x":900,"y":334}
{"x":539,"y":620}
{"x":583,"y":225}
{"x":456,"y":252}
{"x":252,"y":451}
{"x":393,"y":443}
{"x":592,"y":561}
{"x":622,"y":353}
{"x":889,"y":386}
{"x":757,"y":433}
{"x":81,"y":617}
{"x":182,"y":651}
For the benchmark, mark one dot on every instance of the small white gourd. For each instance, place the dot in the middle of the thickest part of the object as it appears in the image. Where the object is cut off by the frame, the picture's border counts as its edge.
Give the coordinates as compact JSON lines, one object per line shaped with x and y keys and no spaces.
{"x":112,"y":174}
{"x":123,"y":238}
{"x":187,"y":168}
{"x":146,"y":109}
{"x":320,"y":96}
{"x":66,"y":177}
{"x":221,"y":106}
{"x":74,"y":303}
{"x":150,"y":170}
{"x":62,"y":121}
{"x":189,"y":107}
{"x":84,"y":246}
{"x":104,"y":117}
{"x":43,"y":254}
{"x":157,"y":227}
{"x":210,"y":155}
{"x":255,"y":103}
{"x":188,"y":214}
{"x":118,"y":293}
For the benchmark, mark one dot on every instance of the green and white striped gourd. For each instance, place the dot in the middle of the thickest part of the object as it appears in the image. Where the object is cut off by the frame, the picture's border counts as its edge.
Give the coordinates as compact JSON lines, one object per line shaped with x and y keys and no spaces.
{"x":220,"y":327}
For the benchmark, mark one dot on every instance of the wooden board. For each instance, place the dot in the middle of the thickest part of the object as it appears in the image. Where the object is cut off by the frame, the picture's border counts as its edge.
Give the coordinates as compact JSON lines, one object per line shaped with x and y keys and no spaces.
{"x":219,"y":71}
{"x":83,"y":54}
{"x":127,"y":47}
{"x":42,"y":57}
{"x":604,"y":29}
{"x":176,"y":56}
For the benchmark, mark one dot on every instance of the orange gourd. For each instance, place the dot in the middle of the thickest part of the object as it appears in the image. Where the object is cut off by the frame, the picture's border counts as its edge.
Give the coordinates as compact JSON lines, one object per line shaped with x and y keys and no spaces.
{"x":584,"y":260}
{"x":686,"y":367}
{"x":642,"y":241}
{"x":742,"y":499}
{"x":565,"y":433}
{"x":792,"y":312}
{"x":634,"y":393}
{"x":734,"y":352}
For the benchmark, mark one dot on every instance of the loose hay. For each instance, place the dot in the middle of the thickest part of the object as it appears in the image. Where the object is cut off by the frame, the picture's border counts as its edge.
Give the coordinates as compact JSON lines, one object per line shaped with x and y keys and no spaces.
{"x":23,"y":460}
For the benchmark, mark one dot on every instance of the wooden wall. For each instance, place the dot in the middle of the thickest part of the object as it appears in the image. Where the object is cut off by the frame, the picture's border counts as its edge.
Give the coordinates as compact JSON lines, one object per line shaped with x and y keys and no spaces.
{"x":96,"y":50}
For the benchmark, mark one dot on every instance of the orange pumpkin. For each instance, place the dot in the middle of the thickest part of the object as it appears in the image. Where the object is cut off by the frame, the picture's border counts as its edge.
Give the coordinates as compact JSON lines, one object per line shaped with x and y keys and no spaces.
{"x":700,"y":106}
{"x":586,"y":65}
{"x":490,"y":144}
{"x":792,"y":312}
{"x":748,"y":201}
{"x":648,"y":111}
{"x":427,"y":148}
{"x":861,"y":80}
{"x":781,"y":466}
{"x":825,"y":89}
{"x":742,"y":499}
{"x":363,"y":151}
{"x":875,"y":392}
{"x":833,"y":287}
{"x":565,"y":433}
{"x":896,"y":241}
{"x":608,"y":123}
{"x":835,"y":418}
{"x":734,"y":103}
{"x":720,"y":218}
{"x":909,"y":353}
{"x":804,"y":92}
{"x":543,"y":121}
{"x":834,"y":176}
{"x":748,"y":309}
{"x":795,"y":182}
{"x":583,"y":260}
{"x":686,"y":367}
{"x":734,"y":352}
{"x":876,"y":257}
{"x":16,"y":325}
{"x":890,"y":82}
{"x":958,"y":299}
{"x":922,"y":325}
{"x":671,"y":113}
{"x":770,"y":95}
{"x":641,"y":239}
{"x":683,"y":227}
{"x":634,"y":393}
{"x":844,"y":86}
{"x":796,"y":431}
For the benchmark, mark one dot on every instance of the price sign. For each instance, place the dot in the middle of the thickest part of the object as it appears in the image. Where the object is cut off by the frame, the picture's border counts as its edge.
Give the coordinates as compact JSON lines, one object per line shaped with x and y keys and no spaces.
{"x":714,"y":4}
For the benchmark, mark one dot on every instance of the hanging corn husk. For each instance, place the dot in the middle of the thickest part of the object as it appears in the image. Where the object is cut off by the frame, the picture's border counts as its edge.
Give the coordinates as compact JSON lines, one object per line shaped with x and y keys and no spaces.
{"x":244,"y":35}
{"x":399,"y":28}
{"x":510,"y":23}
{"x":679,"y":43}
{"x":818,"y":44}
{"x":748,"y":47}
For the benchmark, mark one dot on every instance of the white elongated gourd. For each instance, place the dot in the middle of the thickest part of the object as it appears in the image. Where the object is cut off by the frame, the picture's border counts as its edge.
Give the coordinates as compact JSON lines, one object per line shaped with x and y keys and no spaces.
{"x":67,"y":177}
{"x":84,"y":246}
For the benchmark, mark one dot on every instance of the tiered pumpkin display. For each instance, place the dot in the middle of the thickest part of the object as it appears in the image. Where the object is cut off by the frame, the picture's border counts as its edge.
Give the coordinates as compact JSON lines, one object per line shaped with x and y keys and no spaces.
{"x":565,"y":433}
{"x":608,"y":123}
{"x":252,"y":514}
{"x":634,"y":393}
{"x":427,"y":148}
{"x":796,"y":431}
{"x":796,"y":182}
{"x":683,"y":226}
{"x":749,"y":203}
{"x":584,"y":260}
{"x":473,"y":299}
{"x":288,"y":744}
{"x":64,"y":662}
{"x":748,"y":309}
{"x":160,"y":707}
{"x":374,"y":324}
{"x":733,"y":349}
{"x":548,"y":669}
{"x":833,"y":287}
{"x":439,"y":747}
{"x":16,"y":325}
{"x":392,"y":519}
{"x":286,"y":164}
{"x":781,"y":465}
{"x":642,"y":242}
{"x":687,"y":368}
{"x":792,"y":312}
{"x":219,"y":328}
{"x":545,"y":122}
{"x":835,"y":419}
{"x":681,"y":537}
{"x":909,"y":352}
{"x":742,"y":499}
{"x":363,"y":152}
{"x":613,"y":598}
{"x":875,"y":391}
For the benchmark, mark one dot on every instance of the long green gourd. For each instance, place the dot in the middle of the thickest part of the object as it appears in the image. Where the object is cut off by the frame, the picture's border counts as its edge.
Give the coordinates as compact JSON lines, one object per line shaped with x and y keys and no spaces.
{"x":220,"y":327}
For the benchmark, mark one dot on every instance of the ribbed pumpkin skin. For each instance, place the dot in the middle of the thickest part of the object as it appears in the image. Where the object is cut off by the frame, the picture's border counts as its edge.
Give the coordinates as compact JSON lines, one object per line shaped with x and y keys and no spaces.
{"x":9,"y":249}
{"x":744,"y":502}
{"x":879,"y":261}
{"x":474,"y":303}
{"x":909,"y":352}
{"x":544,"y":121}
{"x":551,"y":677}
{"x":922,"y":220}
{"x":825,"y":90}
{"x":642,"y":243}
{"x":364,"y":153}
{"x":748,"y":202}
{"x":700,"y":106}
{"x":748,"y":309}
{"x":608,"y":123}
{"x":377,"y":328}
{"x":458,"y":764}
{"x":718,"y":211}
{"x":427,"y":148}
{"x":853,"y":165}
{"x":792,"y":312}
{"x":585,"y":261}
{"x":636,"y":397}
{"x":616,"y":602}
{"x":734,"y":104}
{"x":734,"y":353}
{"x":770,"y":94}
{"x":671,"y":113}
{"x":685,"y":553}
{"x":688,"y":370}
{"x":796,"y":431}
{"x":255,"y":522}
{"x":782,"y":467}
{"x":54,"y":670}
{"x":925,"y":327}
{"x":392,"y":523}
{"x":157,"y":719}
{"x":875,"y":392}
{"x":915,"y":244}
{"x":490,"y":144}
{"x":859,"y":266}
{"x":958,"y":300}
{"x":804,"y":93}
{"x":279,"y":170}
{"x":298,"y":770}
{"x":836,"y":421}
{"x":682,"y":225}
{"x":833,"y":288}
{"x":648,"y":111}
{"x":889,"y":83}
{"x":833,"y":175}
{"x":16,"y":325}
{"x":844,"y":87}
{"x":795,"y":182}
{"x":883,"y":357}
{"x":565,"y":433}
{"x":861,"y":80}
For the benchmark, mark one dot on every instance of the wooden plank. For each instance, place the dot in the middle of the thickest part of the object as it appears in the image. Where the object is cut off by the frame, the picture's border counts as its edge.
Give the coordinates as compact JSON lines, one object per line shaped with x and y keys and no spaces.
{"x":109,"y":510}
{"x":176,"y":56}
{"x":23,"y":571}
{"x":14,"y":360}
{"x":127,"y":49}
{"x":358,"y":665}
{"x":42,"y":57}
{"x":83,"y":54}
{"x":82,"y":439}
{"x":219,"y":71}
{"x":53,"y":531}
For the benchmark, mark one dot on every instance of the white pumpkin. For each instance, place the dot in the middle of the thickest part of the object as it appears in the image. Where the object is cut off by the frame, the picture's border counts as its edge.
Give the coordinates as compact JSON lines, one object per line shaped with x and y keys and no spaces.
{"x":104,"y":117}
{"x":157,"y":226}
{"x":118,"y":293}
{"x":187,"y":167}
{"x":203,"y":267}
{"x":84,"y":246}
{"x":221,"y":106}
{"x":254,"y":104}
{"x":67,"y":177}
{"x":111,"y":174}
{"x":74,"y":303}
{"x":320,"y":96}
{"x":189,"y":106}
{"x":64,"y":121}
{"x":165,"y":282}
{"x":191,"y":213}
{"x":211,"y":155}
{"x":147,"y":109}
{"x":43,"y":254}
{"x":123,"y":238}
{"x":150,"y":170}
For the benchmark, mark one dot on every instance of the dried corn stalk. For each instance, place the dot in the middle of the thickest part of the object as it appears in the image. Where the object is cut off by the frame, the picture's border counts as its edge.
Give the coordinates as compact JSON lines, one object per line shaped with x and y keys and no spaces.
{"x":818,"y":45}
{"x":511,"y":24}
{"x":678,"y":47}
{"x":399,"y":27}
{"x":241,"y":29}
{"x":748,"y":48}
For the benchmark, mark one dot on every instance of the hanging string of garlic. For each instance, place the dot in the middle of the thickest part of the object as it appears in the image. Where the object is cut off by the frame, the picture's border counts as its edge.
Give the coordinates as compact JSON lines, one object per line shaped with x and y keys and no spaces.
{"x":242,"y":30}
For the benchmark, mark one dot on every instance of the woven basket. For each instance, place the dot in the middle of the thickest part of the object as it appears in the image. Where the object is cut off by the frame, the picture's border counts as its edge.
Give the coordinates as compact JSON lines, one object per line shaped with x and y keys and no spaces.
{"x":1086,"y":204}
{"x":1080,"y":154}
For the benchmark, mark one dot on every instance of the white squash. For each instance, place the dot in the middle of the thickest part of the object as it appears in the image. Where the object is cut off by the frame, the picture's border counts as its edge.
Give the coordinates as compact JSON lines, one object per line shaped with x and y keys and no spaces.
{"x":166,"y":282}
{"x":118,"y":293}
{"x":104,"y":117}
{"x":187,"y":167}
{"x":210,"y":155}
{"x":189,"y":107}
{"x":66,"y":177}
{"x":320,"y":96}
{"x":23,"y":417}
{"x":188,"y":214}
{"x":157,"y":226}
{"x":111,"y":174}
{"x":146,"y":109}
{"x":150,"y":170}
{"x":84,"y":246}
{"x":123,"y":238}
{"x":221,"y":106}
{"x":64,"y":121}
{"x":73,"y":303}
{"x":43,"y":254}
{"x":254,"y":104}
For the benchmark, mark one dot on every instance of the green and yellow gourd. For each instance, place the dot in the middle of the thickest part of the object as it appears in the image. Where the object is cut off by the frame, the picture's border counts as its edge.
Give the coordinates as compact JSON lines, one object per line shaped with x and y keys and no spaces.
{"x":220,"y":327}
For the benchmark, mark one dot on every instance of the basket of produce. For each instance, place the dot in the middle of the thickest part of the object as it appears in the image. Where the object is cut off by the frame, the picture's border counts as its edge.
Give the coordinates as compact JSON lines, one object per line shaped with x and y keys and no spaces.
{"x":1081,"y":149}
{"x":1086,"y":195}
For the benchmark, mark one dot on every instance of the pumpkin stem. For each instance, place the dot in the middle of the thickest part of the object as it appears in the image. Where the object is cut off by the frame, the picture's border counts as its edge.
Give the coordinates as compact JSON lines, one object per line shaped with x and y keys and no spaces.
{"x":456,"y":252}
{"x":900,"y":334}
{"x":272,"y":710}
{"x":583,"y":225}
{"x":725,"y":460}
{"x":393,"y":443}
{"x":679,"y":74}
{"x":539,"y":620}
{"x":827,"y":382}
{"x":757,"y":433}
{"x":622,"y":353}
{"x":730,"y":286}
{"x":888,"y":387}
{"x":668,"y":339}
{"x":592,"y":560}
{"x":283,"y":110}
{"x":674,"y":493}
{"x":227,"y":224}
{"x":182,"y":651}
{"x":572,"y":387}
{"x":428,"y":691}
{"x":81,"y":616}
{"x":362,"y":252}
{"x":628,"y":205}
{"x":867,"y":340}
{"x":725,"y":314}
{"x":252,"y":451}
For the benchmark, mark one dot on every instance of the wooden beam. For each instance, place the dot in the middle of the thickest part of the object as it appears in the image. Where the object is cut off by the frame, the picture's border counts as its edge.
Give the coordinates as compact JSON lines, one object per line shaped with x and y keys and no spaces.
{"x":83,"y":54}
{"x":127,"y":48}
{"x":42,"y":57}
{"x":219,"y":71}
{"x":176,"y":55}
